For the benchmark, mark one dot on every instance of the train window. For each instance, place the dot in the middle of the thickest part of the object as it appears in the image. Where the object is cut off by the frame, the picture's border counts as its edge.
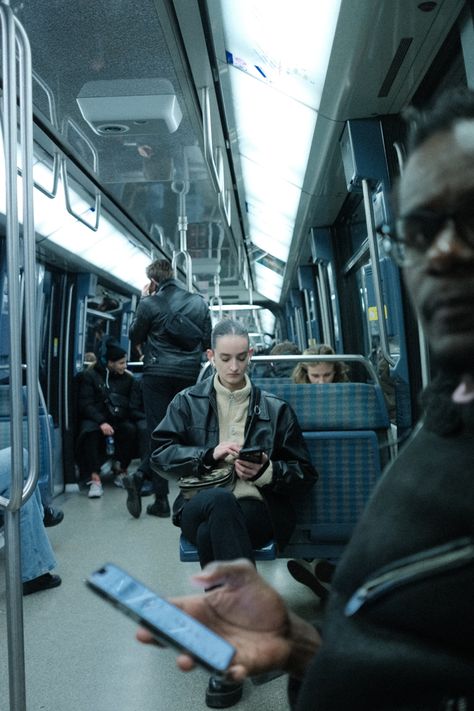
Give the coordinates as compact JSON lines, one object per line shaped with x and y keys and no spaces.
{"x":101,"y":321}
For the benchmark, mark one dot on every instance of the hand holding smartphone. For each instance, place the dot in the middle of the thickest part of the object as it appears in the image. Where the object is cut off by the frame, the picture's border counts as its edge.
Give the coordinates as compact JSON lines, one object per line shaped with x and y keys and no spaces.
{"x":165,"y":621}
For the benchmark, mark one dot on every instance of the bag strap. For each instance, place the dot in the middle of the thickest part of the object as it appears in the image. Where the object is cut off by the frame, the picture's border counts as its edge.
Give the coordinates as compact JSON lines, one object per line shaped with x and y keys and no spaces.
{"x":169,"y":311}
{"x":256,"y":405}
{"x":101,"y":386}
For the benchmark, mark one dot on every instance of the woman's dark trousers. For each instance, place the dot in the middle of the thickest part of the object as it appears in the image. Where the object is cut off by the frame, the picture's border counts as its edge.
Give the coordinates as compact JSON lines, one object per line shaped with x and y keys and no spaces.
{"x":225,"y":528}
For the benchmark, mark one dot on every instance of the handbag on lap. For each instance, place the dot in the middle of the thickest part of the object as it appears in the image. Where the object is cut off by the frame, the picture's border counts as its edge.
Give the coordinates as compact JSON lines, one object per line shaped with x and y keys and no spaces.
{"x":219,"y":477}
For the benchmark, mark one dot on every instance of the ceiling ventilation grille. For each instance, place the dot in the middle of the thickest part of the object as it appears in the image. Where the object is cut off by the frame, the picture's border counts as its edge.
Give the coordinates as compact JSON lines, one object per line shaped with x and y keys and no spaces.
{"x":394,"y":67}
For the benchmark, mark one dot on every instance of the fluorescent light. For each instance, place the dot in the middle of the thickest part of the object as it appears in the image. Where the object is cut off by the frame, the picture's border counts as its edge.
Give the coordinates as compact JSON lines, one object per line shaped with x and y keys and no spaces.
{"x":278,"y":54}
{"x":109,"y":248}
{"x":267,"y":243}
{"x":260,"y":130}
{"x":269,"y":283}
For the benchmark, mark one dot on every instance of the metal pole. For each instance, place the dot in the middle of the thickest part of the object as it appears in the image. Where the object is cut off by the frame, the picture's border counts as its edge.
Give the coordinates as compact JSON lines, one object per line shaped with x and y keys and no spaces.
{"x":374,"y":260}
{"x":13,"y":37}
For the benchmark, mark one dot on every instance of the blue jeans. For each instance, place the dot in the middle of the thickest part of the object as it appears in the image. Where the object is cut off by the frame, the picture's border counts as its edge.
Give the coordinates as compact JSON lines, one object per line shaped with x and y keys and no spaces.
{"x":37,"y":556}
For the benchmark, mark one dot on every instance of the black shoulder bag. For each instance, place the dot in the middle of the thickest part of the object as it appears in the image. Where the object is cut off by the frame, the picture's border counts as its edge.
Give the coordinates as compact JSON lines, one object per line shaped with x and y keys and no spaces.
{"x":117,"y":405}
{"x":180,"y":329}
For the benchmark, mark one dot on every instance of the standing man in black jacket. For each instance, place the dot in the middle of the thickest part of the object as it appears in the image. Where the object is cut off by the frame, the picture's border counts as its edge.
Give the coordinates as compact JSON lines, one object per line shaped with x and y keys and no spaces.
{"x":172,"y":328}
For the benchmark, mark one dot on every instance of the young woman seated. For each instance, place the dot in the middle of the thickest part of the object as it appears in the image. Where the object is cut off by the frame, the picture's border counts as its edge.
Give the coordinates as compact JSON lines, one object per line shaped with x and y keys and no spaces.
{"x":320,"y":372}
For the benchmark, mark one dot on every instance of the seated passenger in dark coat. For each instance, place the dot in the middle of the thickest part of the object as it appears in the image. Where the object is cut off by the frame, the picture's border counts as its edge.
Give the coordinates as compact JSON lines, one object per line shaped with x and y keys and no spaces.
{"x":107,"y":409}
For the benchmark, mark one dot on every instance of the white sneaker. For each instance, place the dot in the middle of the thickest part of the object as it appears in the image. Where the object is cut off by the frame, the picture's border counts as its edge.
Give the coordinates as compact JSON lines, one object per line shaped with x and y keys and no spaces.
{"x":118,"y":481}
{"x":95,"y":490}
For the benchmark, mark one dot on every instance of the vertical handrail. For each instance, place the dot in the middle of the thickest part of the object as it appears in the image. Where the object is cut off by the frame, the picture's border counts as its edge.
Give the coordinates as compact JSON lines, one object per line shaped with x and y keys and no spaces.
{"x":13,"y":254}
{"x":13,"y":38}
{"x":214,"y":170}
{"x":29,"y":256}
{"x":157,"y":229}
{"x":374,"y":259}
{"x":226,"y":203}
{"x":67,"y":337}
{"x":181,"y":189}
{"x":422,"y":342}
{"x":188,"y":266}
{"x":69,"y":207}
{"x":15,"y":636}
{"x":307,"y":309}
{"x":398,"y":148}
{"x":53,"y":116}
{"x":95,"y":166}
{"x":321,"y":284}
{"x":424,"y":355}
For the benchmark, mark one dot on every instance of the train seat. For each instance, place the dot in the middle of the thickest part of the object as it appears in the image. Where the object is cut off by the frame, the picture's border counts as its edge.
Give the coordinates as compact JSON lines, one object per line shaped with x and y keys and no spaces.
{"x":46,"y":434}
{"x":346,"y":427}
{"x":188,"y":552}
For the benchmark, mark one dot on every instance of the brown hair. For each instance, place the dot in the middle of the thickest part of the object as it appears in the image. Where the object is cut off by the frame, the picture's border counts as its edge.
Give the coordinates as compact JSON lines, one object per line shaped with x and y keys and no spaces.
{"x":285,"y":348}
{"x":228,"y":327}
{"x":159,"y":270}
{"x":300,"y":373}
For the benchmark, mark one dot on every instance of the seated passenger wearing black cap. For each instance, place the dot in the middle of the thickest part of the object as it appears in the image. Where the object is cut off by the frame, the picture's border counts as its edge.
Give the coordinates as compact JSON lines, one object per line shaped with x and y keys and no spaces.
{"x":105,"y":392}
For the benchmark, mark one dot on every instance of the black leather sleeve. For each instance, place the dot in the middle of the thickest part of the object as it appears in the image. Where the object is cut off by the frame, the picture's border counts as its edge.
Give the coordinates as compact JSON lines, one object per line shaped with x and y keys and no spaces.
{"x":292,"y":467}
{"x":175,"y":454}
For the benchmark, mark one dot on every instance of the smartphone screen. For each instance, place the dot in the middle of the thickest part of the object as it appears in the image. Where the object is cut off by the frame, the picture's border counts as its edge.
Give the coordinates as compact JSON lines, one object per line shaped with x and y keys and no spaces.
{"x":251,"y":454}
{"x":165,"y":621}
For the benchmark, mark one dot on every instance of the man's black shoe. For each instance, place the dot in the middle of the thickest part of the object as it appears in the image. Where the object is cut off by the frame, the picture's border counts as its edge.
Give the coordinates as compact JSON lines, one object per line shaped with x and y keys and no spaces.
{"x":134,"y":502}
{"x":303,"y":572}
{"x":160,"y":507}
{"x":221,"y":694}
{"x":42,"y":582}
{"x":51,"y":517}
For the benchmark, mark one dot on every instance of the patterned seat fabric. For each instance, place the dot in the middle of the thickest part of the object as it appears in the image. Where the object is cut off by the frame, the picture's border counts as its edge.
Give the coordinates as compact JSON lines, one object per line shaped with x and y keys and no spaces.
{"x":46,"y":430}
{"x":344,"y":425}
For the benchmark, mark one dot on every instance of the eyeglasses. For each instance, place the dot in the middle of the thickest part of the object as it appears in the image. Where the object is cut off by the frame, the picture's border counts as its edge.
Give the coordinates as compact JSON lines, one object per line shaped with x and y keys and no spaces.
{"x":415,"y":233}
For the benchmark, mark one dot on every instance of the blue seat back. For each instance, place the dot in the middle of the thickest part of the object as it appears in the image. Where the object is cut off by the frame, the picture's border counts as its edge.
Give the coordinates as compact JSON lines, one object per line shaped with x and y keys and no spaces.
{"x":188,"y":552}
{"x":46,"y":434}
{"x":344,"y":425}
{"x":332,"y":406}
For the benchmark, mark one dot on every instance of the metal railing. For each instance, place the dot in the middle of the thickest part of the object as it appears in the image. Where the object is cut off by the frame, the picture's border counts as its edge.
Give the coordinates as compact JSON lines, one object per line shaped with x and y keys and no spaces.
{"x":16,"y":53}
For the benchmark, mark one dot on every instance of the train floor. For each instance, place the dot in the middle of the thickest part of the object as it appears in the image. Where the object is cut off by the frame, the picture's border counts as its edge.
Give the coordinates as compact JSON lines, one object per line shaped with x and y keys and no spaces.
{"x":81,"y":653}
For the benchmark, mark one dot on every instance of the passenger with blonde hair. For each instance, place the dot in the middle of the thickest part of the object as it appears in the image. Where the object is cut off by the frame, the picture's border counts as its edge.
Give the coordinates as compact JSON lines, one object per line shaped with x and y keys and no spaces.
{"x":317,"y":575}
{"x":320,"y":372}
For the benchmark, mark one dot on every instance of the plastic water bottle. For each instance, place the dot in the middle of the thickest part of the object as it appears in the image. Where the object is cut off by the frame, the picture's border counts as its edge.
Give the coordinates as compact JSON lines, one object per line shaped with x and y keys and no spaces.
{"x":109,"y":445}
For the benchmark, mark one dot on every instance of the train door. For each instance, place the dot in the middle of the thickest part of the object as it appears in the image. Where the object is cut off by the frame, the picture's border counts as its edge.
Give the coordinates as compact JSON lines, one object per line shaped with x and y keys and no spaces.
{"x":308,"y":284}
{"x":54,"y":305}
{"x":372,"y":284}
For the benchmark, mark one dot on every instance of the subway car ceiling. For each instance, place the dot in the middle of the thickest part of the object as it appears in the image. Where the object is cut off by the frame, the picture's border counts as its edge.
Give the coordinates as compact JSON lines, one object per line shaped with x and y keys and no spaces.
{"x":209,"y":127}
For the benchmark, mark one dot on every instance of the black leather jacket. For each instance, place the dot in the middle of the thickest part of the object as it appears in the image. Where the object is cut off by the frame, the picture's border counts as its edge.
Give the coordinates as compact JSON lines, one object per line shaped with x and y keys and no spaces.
{"x":161,"y":356}
{"x":190,"y":431}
